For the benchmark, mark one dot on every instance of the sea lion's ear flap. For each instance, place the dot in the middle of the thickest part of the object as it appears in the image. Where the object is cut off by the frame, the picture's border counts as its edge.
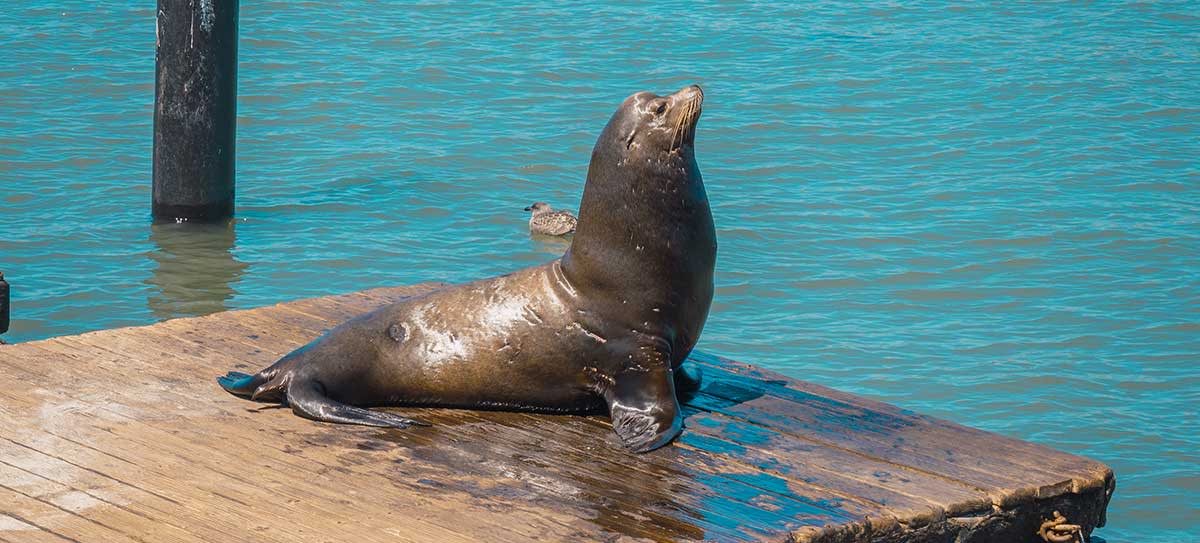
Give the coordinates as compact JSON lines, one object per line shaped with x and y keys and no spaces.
{"x":629,"y":140}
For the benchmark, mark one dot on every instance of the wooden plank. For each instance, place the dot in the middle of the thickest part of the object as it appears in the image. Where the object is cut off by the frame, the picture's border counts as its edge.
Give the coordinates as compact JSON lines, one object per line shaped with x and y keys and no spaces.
{"x":229,"y":491}
{"x":291,"y":419}
{"x":54,"y":519}
{"x":130,"y":342}
{"x":941,"y":491}
{"x":15,"y":530}
{"x":1025,"y":455}
{"x":30,"y":481}
{"x":938,"y":438}
{"x":796,"y":480}
{"x":128,"y":427}
{"x":979,"y":458}
{"x":617,"y":453}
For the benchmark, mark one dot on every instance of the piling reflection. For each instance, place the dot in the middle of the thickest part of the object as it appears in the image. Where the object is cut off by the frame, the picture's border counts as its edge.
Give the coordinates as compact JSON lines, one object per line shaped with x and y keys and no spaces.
{"x":195,"y":269}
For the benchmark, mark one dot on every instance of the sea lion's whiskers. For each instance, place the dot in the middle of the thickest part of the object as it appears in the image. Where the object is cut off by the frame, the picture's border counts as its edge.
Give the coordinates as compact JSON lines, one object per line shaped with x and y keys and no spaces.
{"x":680,"y":123}
{"x":683,"y":124}
{"x":693,"y":114}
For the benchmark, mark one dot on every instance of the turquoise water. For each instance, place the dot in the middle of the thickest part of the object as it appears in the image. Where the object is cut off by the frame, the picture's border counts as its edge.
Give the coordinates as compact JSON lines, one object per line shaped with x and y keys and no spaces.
{"x":987,"y":214}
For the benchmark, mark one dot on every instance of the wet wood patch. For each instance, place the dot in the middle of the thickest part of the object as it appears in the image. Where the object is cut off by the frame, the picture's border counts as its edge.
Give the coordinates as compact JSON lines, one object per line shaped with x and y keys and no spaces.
{"x":124,"y":435}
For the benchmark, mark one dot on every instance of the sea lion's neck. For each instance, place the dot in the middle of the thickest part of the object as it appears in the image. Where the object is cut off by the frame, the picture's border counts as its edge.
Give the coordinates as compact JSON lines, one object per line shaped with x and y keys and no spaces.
{"x":642,"y":227}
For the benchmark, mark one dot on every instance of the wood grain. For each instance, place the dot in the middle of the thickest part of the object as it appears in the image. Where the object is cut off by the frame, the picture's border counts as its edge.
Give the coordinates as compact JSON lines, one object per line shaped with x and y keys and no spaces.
{"x":123,"y":435}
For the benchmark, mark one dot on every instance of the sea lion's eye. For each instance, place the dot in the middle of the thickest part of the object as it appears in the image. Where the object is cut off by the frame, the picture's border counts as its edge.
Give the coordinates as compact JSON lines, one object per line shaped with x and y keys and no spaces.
{"x":662,"y":106}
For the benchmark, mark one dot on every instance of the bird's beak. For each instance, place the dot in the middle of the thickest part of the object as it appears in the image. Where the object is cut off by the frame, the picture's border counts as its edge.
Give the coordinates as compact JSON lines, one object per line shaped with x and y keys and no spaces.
{"x":529,"y":208}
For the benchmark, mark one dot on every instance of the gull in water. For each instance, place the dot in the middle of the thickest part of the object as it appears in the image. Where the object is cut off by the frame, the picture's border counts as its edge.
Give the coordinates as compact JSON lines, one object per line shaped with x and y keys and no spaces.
{"x":548,"y":222}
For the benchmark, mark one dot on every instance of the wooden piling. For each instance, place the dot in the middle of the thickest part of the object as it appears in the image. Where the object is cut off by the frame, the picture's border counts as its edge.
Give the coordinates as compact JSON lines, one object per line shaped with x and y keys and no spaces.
{"x":195,"y":110}
{"x":4,"y":304}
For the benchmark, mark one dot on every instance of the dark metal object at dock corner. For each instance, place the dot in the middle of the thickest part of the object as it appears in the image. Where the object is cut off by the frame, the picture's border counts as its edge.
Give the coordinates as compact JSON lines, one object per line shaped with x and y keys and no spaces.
{"x":4,"y":303}
{"x":195,"y":110}
{"x":1058,"y":530}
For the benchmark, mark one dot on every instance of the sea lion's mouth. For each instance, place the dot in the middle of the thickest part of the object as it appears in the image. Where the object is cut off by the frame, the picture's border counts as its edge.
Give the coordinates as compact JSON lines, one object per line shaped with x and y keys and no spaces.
{"x":685,"y":105}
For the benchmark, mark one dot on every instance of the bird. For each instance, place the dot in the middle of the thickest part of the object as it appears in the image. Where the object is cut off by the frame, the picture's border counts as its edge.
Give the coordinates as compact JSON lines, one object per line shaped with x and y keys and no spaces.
{"x":548,"y":222}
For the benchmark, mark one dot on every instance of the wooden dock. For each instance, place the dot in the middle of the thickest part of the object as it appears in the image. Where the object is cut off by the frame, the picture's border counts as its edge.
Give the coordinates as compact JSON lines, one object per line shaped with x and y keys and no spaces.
{"x":123,"y":435}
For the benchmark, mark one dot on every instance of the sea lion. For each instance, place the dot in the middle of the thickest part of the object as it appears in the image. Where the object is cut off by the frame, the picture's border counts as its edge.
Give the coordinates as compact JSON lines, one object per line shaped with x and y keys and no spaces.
{"x":607,"y":325}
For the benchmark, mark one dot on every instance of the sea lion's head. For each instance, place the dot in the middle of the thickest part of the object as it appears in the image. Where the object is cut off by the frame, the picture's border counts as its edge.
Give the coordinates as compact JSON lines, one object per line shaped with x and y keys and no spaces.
{"x":652,"y":128}
{"x":644,"y":219}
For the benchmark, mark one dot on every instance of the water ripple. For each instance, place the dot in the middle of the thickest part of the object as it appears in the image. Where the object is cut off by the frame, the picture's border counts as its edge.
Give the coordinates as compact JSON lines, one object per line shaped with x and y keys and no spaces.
{"x":988,"y":213}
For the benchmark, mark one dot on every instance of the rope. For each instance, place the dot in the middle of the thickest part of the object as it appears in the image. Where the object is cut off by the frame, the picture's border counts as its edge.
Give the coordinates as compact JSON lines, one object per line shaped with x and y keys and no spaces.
{"x":1057,"y":530}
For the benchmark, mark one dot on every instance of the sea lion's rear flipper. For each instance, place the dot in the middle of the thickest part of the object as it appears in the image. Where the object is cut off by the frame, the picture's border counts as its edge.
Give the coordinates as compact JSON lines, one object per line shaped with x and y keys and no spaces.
{"x":267,"y":385}
{"x":264,"y":386}
{"x":308,"y":400}
{"x":240,"y":384}
{"x":644,"y":411}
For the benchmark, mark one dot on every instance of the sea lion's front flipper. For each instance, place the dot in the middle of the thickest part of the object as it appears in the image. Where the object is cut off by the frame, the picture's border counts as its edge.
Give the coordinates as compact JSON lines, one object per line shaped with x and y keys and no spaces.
{"x":688,"y":378}
{"x":308,"y":400}
{"x":643,"y":408}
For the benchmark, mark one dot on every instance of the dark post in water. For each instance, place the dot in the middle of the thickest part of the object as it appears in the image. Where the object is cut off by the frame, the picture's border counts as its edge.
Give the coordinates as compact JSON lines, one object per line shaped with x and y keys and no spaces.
{"x":195,"y":110}
{"x":3,"y":305}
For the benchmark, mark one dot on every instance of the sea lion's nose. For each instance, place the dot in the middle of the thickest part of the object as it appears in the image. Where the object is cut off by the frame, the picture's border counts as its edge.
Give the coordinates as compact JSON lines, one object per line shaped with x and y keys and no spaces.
{"x":691,"y":92}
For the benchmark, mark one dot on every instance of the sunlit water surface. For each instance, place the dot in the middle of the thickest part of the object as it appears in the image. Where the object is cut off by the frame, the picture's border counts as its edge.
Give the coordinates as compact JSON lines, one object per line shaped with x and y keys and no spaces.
{"x":988,"y":214}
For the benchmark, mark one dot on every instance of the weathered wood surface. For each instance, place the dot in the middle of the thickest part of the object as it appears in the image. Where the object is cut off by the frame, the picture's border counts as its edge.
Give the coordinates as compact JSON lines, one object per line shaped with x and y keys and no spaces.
{"x":123,"y":435}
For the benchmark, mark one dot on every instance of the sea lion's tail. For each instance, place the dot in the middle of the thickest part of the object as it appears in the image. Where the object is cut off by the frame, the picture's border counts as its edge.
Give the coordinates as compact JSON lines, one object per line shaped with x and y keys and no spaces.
{"x":268,"y":385}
